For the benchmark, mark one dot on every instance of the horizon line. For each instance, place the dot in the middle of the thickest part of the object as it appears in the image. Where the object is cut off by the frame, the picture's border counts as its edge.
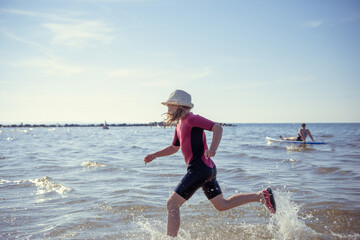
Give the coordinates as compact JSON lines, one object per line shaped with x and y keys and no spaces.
{"x":148,"y":123}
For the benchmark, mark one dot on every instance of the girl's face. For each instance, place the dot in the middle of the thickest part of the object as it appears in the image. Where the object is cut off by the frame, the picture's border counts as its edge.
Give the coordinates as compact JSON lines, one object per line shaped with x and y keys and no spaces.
{"x":172,"y":108}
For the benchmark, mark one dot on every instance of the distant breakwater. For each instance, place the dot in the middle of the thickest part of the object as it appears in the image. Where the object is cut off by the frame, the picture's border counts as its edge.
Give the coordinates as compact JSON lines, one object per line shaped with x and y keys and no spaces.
{"x":151,"y":124}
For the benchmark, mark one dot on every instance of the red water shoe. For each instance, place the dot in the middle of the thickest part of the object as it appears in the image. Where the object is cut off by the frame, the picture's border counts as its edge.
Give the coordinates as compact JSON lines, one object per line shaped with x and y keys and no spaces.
{"x":269,"y":200}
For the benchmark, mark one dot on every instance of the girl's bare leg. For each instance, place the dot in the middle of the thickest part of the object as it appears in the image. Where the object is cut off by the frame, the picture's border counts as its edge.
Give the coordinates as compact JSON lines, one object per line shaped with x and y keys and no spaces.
{"x":173,"y":218}
{"x":222,"y":204}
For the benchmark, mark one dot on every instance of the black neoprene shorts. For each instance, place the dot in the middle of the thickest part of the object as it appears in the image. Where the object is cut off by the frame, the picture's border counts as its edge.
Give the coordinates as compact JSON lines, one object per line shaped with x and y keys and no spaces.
{"x":198,"y":175}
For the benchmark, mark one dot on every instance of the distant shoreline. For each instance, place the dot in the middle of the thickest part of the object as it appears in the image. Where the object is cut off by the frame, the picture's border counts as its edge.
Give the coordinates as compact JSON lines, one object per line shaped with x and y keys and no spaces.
{"x":152,"y":124}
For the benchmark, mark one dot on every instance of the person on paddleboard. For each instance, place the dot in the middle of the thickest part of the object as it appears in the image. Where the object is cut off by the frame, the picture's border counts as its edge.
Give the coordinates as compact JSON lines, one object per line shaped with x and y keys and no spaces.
{"x":302,"y":134}
{"x":201,"y":170}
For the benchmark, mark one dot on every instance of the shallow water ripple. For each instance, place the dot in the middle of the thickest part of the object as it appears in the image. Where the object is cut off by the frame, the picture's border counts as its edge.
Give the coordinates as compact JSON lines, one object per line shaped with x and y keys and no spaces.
{"x":90,"y":183}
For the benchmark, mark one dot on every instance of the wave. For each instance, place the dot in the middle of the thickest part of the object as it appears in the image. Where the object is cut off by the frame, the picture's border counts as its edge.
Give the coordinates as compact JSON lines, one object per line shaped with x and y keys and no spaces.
{"x":295,"y":148}
{"x":352,"y":236}
{"x":43,"y":184}
{"x":326,"y":170}
{"x":92,"y":164}
{"x":325,"y":136}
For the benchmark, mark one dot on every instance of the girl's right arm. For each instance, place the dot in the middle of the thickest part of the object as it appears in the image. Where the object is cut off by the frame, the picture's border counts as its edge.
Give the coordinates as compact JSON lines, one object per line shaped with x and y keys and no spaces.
{"x":162,"y":153}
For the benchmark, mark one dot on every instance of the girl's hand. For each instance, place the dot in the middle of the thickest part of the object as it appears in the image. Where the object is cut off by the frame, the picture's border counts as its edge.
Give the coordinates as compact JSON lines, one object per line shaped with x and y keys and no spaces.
{"x":149,"y":158}
{"x":209,"y":153}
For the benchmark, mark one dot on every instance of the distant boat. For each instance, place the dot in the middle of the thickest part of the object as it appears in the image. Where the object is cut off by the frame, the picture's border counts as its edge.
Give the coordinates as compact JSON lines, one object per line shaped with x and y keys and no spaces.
{"x":105,"y":126}
{"x":287,"y":141}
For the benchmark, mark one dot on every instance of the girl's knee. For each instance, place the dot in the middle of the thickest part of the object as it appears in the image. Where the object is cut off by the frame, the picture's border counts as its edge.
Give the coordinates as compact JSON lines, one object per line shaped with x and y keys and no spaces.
{"x":220,"y":207}
{"x":220,"y":204}
{"x":172,"y":204}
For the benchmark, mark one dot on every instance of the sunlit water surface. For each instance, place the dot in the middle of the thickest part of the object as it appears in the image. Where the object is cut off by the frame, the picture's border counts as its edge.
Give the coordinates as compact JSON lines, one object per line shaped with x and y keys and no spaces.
{"x":91,"y":183}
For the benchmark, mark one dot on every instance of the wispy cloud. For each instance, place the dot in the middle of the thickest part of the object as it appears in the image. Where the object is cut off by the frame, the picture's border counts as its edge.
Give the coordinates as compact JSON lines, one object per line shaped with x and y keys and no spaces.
{"x":126,"y":73}
{"x":51,"y":66}
{"x":151,"y":77}
{"x":80,"y":34}
{"x":195,"y":75}
{"x":313,"y":24}
{"x":67,"y":29}
{"x":19,"y":38}
{"x":59,"y":16}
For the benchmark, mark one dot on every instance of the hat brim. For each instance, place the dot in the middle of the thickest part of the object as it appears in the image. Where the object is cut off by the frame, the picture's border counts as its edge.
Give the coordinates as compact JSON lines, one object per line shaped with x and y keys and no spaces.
{"x":178,"y":104}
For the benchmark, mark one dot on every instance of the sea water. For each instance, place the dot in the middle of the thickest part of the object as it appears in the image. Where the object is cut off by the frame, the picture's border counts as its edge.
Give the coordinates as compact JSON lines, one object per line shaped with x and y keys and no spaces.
{"x":91,"y":183}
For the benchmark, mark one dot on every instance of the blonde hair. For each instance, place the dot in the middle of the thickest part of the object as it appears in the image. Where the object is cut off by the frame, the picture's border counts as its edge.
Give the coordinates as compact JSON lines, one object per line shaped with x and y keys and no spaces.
{"x":174,"y":118}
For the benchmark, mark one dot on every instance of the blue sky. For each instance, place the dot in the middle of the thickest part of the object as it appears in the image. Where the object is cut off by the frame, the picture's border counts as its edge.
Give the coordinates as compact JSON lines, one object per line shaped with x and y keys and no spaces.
{"x":242,"y":61}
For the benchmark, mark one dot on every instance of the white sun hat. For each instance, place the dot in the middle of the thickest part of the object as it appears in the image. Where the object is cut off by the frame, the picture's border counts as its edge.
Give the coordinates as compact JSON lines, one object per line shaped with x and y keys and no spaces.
{"x":179,"y":97}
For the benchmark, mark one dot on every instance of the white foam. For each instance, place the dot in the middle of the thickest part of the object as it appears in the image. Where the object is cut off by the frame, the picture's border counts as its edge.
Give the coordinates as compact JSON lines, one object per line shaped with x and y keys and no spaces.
{"x":44,"y":185}
{"x":92,"y":164}
{"x":2,"y":181}
{"x":354,"y":236}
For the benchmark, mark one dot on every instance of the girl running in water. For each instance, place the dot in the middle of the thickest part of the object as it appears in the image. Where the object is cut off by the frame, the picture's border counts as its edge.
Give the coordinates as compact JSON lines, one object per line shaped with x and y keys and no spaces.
{"x":201,"y":170}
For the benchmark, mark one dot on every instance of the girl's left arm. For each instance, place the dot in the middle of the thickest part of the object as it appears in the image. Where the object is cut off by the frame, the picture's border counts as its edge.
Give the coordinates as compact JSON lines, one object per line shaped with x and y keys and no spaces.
{"x":217,"y":134}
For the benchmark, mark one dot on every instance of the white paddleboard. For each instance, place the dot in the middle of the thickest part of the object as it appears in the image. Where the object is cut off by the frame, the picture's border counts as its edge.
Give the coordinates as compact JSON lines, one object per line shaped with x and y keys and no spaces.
{"x":269,"y":139}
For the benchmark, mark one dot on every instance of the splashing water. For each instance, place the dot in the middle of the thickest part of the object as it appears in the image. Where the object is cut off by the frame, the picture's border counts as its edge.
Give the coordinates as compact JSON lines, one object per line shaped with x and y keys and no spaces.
{"x":157,"y":230}
{"x":286,"y":224}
